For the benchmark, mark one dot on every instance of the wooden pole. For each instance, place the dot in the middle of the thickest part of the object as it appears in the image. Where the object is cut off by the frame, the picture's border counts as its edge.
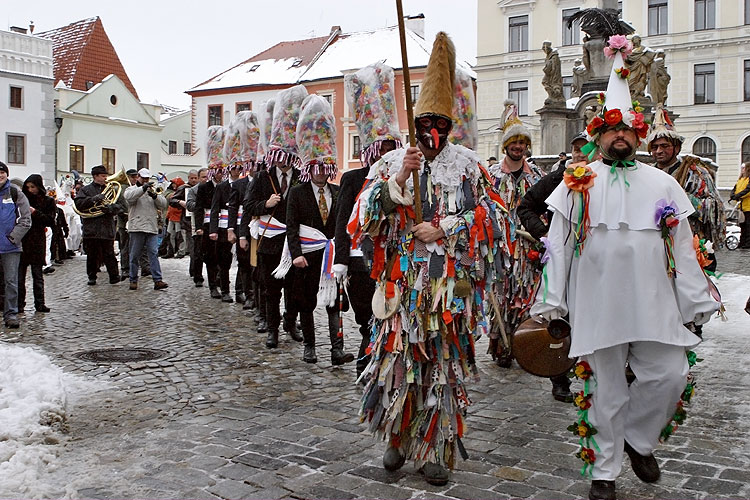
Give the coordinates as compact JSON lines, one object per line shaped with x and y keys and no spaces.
{"x":409,"y":110}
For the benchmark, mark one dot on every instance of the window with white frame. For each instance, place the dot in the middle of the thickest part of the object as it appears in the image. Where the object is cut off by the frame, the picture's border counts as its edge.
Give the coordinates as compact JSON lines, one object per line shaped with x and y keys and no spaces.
{"x":705,"y":147}
{"x":76,"y":158}
{"x":518,"y":33}
{"x":704,"y":92}
{"x":657,"y":17}
{"x":570,"y":35}
{"x":519,"y":92}
{"x":16,"y":97}
{"x":705,"y":14}
{"x":16,"y":153}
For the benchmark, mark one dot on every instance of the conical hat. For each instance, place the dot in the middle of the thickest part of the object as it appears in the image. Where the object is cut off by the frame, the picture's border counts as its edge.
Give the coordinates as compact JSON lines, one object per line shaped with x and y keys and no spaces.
{"x":369,"y":93}
{"x":662,"y":127}
{"x":436,"y":94}
{"x":282,"y":145}
{"x":513,"y":127}
{"x":464,"y":131}
{"x":316,"y":137}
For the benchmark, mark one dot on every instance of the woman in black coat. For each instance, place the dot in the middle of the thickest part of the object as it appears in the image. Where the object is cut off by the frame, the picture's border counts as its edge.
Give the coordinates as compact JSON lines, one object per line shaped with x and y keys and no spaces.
{"x":34,"y":254}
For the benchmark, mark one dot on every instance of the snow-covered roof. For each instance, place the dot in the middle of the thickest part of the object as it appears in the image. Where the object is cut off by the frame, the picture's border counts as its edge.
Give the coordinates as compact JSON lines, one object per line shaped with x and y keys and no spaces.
{"x":289,"y":63}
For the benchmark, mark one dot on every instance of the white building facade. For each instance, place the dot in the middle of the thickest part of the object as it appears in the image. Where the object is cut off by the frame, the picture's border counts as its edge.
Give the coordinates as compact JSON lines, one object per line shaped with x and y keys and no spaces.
{"x":707,"y":54}
{"x":177,"y":154}
{"x":27,"y":125}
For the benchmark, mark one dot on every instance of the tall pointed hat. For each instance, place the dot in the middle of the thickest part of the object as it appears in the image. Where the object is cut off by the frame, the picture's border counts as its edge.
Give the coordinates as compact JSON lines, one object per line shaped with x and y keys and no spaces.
{"x":316,"y":138}
{"x":513,"y":127}
{"x":436,"y":95}
{"x":662,"y":127}
{"x":369,"y":94}
{"x":282,"y":145}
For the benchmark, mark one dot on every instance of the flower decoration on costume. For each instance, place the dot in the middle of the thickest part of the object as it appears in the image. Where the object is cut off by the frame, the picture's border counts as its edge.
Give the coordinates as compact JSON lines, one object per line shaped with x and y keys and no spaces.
{"x":680,"y":413}
{"x":618,"y":43}
{"x":579,"y":178}
{"x":666,"y":220}
{"x":701,"y":251}
{"x":582,"y":427}
{"x":623,"y":73}
{"x":600,"y":98}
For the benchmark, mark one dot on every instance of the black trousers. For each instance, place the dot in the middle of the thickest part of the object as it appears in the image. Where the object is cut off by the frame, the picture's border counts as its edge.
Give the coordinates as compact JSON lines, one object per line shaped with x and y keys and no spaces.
{"x":100,"y":251}
{"x":196,"y":259}
{"x":360,"y":290}
{"x":211,"y":259}
{"x":745,"y":231}
{"x":37,"y":278}
{"x":273,"y":287}
{"x":243,"y":282}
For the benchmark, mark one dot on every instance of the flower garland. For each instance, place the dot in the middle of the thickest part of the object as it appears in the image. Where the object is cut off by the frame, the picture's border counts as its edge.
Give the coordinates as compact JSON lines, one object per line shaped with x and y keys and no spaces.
{"x":579,"y":177}
{"x":680,"y":414}
{"x":582,"y":427}
{"x":666,"y":220}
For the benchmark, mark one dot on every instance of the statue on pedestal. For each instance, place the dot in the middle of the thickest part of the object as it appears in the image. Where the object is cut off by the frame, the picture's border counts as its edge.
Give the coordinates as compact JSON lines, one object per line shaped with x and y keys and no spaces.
{"x":580,"y":75}
{"x":659,"y":79}
{"x":639,"y":64}
{"x":552,"y":80}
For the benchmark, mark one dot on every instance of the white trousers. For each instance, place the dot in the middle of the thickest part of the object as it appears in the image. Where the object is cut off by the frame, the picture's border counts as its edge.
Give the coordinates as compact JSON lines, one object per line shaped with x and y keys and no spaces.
{"x":637,"y":413}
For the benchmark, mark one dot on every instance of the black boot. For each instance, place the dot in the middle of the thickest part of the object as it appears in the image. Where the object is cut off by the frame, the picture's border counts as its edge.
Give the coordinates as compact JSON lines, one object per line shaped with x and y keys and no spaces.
{"x":561,"y":388}
{"x":645,"y":466}
{"x":215,"y":293}
{"x":272,"y":341}
{"x":239,"y":297}
{"x":338,"y":356}
{"x":308,"y":333}
{"x":602,"y":490}
{"x":290,"y":327}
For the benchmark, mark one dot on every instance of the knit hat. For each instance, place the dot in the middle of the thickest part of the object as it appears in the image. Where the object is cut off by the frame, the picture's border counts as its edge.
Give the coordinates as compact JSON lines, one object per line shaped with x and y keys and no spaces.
{"x":215,"y":136}
{"x":436,"y":95}
{"x":265,"y":120}
{"x":616,"y":105}
{"x":662,"y":127}
{"x":4,"y":168}
{"x":282,"y":145}
{"x":369,"y":94}
{"x":513,"y":127}
{"x":316,"y":137}
{"x":464,"y":131}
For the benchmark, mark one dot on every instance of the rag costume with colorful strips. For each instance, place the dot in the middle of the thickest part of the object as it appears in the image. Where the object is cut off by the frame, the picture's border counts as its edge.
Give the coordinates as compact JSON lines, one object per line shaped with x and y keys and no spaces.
{"x":423,"y":353}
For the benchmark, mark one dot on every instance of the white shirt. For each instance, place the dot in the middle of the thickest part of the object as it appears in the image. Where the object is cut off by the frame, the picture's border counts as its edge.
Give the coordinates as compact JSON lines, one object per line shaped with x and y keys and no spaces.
{"x":279,"y":174}
{"x":618,"y":291}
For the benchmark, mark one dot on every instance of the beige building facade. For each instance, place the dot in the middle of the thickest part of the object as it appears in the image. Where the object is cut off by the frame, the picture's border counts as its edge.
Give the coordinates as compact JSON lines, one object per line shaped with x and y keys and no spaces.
{"x":707,"y":54}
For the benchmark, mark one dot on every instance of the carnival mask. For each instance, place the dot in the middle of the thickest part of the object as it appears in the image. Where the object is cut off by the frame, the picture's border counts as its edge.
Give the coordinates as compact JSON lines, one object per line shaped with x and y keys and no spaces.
{"x":433,"y":130}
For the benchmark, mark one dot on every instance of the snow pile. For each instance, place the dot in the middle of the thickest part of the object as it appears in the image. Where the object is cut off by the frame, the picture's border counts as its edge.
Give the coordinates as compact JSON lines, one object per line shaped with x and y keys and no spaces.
{"x":33,"y":401}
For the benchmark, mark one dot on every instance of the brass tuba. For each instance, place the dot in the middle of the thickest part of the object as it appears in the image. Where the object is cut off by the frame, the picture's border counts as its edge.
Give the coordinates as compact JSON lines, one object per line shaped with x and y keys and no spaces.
{"x":111,"y":194}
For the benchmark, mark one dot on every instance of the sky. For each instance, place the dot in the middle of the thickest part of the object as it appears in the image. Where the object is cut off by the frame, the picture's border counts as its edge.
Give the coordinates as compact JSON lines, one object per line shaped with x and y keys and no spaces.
{"x":169,"y":46}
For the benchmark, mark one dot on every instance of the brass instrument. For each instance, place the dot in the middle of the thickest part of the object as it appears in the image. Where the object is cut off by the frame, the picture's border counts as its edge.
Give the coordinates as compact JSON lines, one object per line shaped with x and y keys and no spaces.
{"x":111,"y":194}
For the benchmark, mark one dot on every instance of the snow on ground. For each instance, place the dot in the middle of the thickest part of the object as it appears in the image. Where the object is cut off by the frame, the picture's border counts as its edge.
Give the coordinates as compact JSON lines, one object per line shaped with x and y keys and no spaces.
{"x":33,"y":400}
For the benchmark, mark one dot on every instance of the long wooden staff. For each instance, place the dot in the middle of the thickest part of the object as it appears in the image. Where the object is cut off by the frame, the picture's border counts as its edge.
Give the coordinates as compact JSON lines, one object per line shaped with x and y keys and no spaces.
{"x":409,"y":110}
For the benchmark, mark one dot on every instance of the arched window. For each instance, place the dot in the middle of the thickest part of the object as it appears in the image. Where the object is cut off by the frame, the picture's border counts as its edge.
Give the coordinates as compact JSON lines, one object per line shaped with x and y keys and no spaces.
{"x":705,"y":147}
{"x":746,"y":150}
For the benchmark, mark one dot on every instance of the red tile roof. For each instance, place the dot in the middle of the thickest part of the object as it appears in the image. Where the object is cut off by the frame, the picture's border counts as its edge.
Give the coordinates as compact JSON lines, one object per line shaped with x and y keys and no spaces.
{"x":83,"y":53}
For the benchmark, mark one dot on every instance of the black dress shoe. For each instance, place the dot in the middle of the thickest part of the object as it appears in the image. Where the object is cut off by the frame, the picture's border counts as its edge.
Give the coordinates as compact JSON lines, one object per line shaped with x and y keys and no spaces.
{"x":42,"y":308}
{"x":645,"y":467}
{"x":291,"y":329}
{"x":434,"y":474}
{"x":504,"y":361}
{"x":309,"y":355}
{"x":339,"y":357}
{"x":113,"y":280}
{"x":198,"y":284}
{"x":225,"y":297}
{"x":262,"y":326}
{"x":272,"y":341}
{"x":48,"y":270}
{"x":215,"y":294}
{"x":12,"y":323}
{"x":239,"y":298}
{"x":602,"y":490}
{"x":92,"y":282}
{"x":393,"y":459}
{"x":562,"y":393}
{"x":248,"y":305}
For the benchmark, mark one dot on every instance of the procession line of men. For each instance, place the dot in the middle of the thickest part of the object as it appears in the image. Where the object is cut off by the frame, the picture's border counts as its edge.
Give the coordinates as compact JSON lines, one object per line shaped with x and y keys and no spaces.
{"x":424,"y":286}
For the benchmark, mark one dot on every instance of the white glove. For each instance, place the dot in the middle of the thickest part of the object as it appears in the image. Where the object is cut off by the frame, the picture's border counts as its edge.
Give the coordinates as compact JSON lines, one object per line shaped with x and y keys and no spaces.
{"x":339,"y":271}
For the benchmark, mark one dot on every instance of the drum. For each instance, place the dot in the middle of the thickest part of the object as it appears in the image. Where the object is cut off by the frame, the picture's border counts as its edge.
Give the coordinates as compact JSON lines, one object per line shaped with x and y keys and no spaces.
{"x":538,"y":352}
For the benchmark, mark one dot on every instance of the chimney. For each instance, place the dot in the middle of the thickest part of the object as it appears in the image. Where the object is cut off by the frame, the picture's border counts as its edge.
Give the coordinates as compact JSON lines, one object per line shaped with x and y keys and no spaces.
{"x":415,"y":24}
{"x":16,"y":29}
{"x":335,"y":30}
{"x":31,"y":27}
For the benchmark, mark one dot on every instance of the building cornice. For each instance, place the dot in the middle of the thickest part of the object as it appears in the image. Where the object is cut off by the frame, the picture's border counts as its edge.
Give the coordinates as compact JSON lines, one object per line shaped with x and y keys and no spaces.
{"x":108,"y":120}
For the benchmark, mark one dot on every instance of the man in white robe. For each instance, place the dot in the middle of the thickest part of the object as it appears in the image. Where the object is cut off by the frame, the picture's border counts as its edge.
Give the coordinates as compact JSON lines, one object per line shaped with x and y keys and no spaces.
{"x":626,"y":299}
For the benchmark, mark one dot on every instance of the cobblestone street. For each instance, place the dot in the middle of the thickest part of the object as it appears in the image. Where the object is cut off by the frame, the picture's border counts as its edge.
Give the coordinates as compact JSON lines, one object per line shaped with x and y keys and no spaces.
{"x":221,"y":416}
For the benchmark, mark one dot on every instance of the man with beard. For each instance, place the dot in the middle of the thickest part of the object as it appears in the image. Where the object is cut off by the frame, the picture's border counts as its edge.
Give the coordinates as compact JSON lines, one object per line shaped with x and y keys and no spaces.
{"x":621,"y":265}
{"x":369,"y":92}
{"x":512,"y":178}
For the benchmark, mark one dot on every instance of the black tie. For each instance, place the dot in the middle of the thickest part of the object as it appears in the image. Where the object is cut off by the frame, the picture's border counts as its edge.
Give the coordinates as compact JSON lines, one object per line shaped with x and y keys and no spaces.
{"x":283,"y":183}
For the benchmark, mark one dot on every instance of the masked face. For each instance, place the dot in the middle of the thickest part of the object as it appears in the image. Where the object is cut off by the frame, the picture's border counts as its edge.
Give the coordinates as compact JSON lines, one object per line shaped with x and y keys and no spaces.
{"x":433,"y":130}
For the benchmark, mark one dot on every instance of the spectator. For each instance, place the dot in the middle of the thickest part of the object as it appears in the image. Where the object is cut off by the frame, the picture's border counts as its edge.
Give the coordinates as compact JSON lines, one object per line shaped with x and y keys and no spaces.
{"x":741,"y":193}
{"x":175,"y":214}
{"x":15,"y":221}
{"x":43,"y":212}
{"x":98,"y":230}
{"x":60,"y":231}
{"x":491,"y":161}
{"x":143,"y":227}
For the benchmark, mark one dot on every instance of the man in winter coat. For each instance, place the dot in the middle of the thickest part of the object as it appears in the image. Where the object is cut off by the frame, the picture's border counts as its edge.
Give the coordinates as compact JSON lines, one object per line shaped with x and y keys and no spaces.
{"x":143,"y":227}
{"x":43,"y":211}
{"x":15,"y":221}
{"x":98,"y":231}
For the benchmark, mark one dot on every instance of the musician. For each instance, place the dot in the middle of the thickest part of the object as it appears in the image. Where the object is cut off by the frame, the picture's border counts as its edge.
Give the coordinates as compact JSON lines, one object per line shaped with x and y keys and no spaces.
{"x":98,"y":229}
{"x":143,"y":227}
{"x":218,"y":229}
{"x":621,"y":264}
{"x":379,"y":133}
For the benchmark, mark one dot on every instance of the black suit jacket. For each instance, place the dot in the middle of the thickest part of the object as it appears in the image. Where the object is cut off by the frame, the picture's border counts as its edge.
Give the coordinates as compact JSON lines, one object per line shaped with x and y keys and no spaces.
{"x":303,"y":209}
{"x":219,"y":202}
{"x":236,"y":195}
{"x":351,"y":184}
{"x":264,"y":185}
{"x":204,"y":196}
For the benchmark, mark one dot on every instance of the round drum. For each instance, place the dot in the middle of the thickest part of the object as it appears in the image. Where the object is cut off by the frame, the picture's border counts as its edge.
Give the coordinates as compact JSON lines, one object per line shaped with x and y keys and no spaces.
{"x":538,"y":352}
